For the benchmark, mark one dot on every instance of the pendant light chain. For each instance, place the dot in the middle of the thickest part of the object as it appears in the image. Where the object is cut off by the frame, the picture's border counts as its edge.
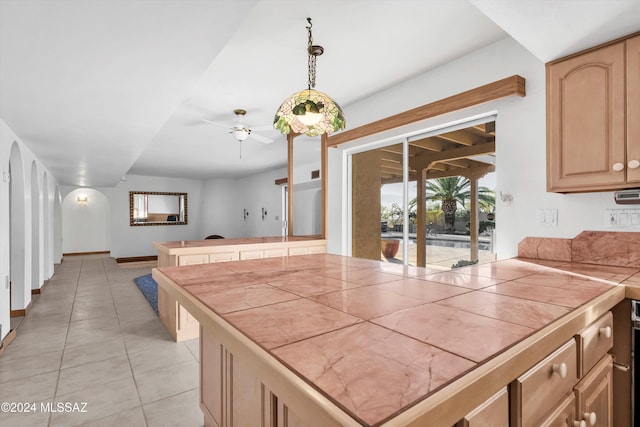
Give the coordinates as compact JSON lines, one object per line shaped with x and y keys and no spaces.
{"x":312,"y":57}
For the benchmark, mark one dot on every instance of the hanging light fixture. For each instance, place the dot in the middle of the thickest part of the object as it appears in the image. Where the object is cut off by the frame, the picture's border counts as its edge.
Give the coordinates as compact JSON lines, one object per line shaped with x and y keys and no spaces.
{"x":309,"y":111}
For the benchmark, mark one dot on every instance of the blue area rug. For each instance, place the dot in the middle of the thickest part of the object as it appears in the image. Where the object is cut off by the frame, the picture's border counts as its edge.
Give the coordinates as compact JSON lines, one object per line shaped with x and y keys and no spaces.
{"x":149,"y":289}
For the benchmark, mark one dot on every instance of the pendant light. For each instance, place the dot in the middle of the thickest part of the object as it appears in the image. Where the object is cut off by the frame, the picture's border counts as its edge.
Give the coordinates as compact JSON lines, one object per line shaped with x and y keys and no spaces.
{"x":309,"y":111}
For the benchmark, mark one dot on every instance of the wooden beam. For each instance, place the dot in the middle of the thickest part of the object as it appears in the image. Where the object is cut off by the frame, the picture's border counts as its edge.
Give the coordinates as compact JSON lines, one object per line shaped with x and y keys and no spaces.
{"x":423,"y":161}
{"x":421,"y":226}
{"x":510,"y":86}
{"x":290,"y":138}
{"x":324,"y":184}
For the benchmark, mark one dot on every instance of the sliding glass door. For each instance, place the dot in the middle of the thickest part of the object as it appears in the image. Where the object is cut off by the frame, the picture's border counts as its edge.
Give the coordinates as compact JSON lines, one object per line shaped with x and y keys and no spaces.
{"x":421,"y":199}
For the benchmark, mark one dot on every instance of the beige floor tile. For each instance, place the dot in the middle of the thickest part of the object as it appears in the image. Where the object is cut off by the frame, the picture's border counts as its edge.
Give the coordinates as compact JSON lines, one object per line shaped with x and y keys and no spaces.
{"x":194,"y":347}
{"x":90,"y":374}
{"x":153,"y":359}
{"x":32,"y":419}
{"x":178,"y":410}
{"x":30,"y":389}
{"x":14,"y":366}
{"x":79,"y":341}
{"x":130,"y":418}
{"x":101,"y":400}
{"x":168,"y":381}
{"x":93,"y":352}
{"x":88,"y":336}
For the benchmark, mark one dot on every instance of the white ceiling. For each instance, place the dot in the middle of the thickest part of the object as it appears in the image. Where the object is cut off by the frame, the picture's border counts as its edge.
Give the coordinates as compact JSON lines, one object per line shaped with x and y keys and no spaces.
{"x":98,"y":89}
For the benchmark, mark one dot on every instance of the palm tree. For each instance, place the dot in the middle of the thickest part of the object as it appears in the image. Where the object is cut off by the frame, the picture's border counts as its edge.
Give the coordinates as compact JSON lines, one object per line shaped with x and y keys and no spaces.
{"x":452,"y":191}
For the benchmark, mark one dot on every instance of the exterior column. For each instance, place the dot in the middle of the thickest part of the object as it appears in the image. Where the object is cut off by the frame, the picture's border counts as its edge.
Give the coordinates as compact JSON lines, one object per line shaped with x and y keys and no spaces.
{"x":473,"y":221}
{"x":421,"y":232}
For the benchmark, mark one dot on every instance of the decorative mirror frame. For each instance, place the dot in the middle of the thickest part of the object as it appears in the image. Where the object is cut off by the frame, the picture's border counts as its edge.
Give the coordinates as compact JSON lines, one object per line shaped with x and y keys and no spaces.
{"x":133,"y":223}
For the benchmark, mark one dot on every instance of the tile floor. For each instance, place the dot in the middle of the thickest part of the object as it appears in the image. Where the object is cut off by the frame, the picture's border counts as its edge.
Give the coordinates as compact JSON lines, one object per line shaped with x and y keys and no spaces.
{"x":91,"y":337}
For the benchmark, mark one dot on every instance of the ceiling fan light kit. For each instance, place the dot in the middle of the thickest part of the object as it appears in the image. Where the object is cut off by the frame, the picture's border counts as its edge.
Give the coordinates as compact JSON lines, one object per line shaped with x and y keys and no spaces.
{"x":309,"y":111}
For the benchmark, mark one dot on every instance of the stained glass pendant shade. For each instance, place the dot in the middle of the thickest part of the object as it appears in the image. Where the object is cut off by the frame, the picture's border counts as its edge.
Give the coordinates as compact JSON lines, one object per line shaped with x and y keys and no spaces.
{"x":309,"y":111}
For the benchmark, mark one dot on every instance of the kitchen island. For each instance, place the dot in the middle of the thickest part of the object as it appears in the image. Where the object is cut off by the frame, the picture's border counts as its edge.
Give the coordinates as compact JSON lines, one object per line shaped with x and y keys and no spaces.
{"x":178,"y":321}
{"x":326,"y":340}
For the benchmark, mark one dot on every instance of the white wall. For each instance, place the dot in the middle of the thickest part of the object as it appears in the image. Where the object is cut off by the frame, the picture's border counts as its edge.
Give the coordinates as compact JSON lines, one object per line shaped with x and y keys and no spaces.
{"x":44,"y":266}
{"x":86,"y":227}
{"x":127,"y":241}
{"x":520,"y":145}
{"x":225,"y":200}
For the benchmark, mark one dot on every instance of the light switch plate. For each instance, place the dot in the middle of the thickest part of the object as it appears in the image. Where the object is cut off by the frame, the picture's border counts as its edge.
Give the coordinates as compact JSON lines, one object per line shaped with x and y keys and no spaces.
{"x":547,"y":217}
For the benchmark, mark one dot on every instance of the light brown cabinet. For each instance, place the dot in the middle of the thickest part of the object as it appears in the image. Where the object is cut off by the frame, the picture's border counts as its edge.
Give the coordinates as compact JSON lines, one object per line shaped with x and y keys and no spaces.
{"x":578,"y":375}
{"x":594,"y":395}
{"x":592,"y":145}
{"x":492,"y":413}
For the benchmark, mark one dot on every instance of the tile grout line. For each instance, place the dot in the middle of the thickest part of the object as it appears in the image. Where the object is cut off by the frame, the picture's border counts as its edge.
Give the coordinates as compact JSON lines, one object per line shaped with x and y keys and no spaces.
{"x":64,"y":348}
{"x":126,"y":349}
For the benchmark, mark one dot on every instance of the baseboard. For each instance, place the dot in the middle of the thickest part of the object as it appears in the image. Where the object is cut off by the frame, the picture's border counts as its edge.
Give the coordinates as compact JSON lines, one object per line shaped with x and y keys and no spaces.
{"x":137,"y":259}
{"x":85,"y":253}
{"x":7,"y":340}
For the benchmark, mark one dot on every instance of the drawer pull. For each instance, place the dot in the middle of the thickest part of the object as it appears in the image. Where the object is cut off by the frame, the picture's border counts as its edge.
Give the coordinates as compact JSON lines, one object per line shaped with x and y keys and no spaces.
{"x":606,"y":331}
{"x":590,"y":417}
{"x":633,"y":164}
{"x":560,"y":369}
{"x":582,"y":423}
{"x":617,"y":167}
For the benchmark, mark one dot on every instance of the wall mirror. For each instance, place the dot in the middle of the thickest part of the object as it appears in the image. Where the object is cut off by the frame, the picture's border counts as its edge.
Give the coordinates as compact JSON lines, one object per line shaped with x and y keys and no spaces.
{"x":155,"y":208}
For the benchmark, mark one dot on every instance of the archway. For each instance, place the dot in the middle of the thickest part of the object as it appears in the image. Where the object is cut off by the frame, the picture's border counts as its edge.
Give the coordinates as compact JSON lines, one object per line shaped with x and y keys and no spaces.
{"x":36,"y":280}
{"x":86,"y":223}
{"x":20,"y":289}
{"x":47,"y":243}
{"x":57,"y":226}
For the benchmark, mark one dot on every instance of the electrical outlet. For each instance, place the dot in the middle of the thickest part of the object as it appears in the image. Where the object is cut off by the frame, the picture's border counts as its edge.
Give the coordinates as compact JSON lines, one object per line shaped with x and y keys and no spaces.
{"x":622,"y":217}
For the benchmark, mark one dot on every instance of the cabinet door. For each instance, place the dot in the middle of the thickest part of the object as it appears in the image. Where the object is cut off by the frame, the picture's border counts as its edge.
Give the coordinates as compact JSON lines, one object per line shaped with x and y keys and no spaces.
{"x":594,"y":395}
{"x":633,"y":109}
{"x":223,"y":256}
{"x":193,"y":259}
{"x":251,"y":254}
{"x":586,"y":121}
{"x":563,"y":415}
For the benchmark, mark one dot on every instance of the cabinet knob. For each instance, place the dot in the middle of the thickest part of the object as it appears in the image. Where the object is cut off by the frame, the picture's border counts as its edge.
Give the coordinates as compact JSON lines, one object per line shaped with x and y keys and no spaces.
{"x":633,"y":164}
{"x":560,"y":369}
{"x":606,"y":331}
{"x":618,"y":167}
{"x":582,"y":423}
{"x":590,"y":418}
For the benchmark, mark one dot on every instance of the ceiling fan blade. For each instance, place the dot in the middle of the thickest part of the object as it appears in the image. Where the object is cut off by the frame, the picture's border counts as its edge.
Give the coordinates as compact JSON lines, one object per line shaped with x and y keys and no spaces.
{"x":260,"y":138}
{"x":261,"y":128}
{"x":216,"y":123}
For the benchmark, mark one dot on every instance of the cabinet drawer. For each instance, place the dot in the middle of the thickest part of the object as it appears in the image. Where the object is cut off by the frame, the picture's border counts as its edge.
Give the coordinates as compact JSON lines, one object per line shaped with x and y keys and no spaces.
{"x":563,"y":415}
{"x":493,"y":412}
{"x":594,"y":342}
{"x":538,"y":390}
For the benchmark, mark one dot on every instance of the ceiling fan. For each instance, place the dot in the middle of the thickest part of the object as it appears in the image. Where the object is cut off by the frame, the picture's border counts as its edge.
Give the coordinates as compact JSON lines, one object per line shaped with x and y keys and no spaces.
{"x":240,"y":131}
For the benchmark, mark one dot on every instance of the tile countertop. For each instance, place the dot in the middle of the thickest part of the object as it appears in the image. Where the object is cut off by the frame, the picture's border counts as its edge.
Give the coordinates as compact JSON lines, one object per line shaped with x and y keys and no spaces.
{"x":348,"y":325}
{"x":231,"y":242}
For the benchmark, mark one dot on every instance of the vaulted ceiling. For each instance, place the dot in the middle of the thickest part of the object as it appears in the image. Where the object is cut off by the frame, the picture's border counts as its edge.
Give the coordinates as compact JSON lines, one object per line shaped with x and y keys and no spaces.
{"x":98,"y":89}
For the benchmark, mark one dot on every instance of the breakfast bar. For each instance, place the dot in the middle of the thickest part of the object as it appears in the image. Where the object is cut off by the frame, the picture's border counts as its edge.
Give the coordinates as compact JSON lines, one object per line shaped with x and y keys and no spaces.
{"x":328,"y":340}
{"x":178,"y":321}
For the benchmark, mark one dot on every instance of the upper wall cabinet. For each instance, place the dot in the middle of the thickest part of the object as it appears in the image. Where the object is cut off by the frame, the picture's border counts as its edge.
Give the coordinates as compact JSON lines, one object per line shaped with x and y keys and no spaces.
{"x":593,"y":131}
